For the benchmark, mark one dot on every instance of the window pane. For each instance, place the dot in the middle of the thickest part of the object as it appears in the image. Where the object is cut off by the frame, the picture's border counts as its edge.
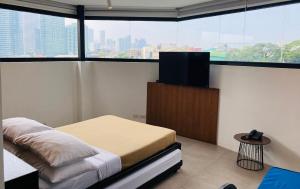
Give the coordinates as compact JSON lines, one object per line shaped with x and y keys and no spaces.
{"x":25,"y":34}
{"x":129,"y":39}
{"x":291,"y":49}
{"x":107,"y":39}
{"x":231,"y":36}
{"x":148,"y":38}
{"x":201,"y":34}
{"x":264,"y":31}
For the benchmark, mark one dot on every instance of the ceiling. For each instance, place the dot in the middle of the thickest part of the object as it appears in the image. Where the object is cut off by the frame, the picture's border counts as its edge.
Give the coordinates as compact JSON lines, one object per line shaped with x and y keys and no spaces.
{"x":139,"y":4}
{"x":142,"y":8}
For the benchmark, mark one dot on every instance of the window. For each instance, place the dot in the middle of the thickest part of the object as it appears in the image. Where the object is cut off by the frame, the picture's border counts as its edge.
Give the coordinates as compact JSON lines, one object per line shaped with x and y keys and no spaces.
{"x":199,"y":35}
{"x":107,"y":39}
{"x":262,"y":35}
{"x":291,"y":34}
{"x":151,"y":37}
{"x":232,"y":29}
{"x":30,"y":35}
{"x":129,"y":39}
{"x":266,"y":35}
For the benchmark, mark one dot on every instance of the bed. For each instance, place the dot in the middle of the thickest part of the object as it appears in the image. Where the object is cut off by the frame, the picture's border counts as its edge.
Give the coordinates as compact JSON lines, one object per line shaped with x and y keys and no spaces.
{"x":130,"y":154}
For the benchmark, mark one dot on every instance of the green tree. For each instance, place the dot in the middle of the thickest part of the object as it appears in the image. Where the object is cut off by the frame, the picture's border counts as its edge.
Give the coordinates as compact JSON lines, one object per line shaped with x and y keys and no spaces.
{"x":261,"y":52}
{"x":291,"y":52}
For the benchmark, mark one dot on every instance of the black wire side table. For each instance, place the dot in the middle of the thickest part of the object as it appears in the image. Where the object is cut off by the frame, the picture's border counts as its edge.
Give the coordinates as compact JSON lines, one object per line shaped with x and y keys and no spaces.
{"x":251,"y":152}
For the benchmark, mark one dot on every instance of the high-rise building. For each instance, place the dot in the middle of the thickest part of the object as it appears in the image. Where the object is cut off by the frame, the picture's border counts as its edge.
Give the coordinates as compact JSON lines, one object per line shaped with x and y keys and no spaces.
{"x":124,"y":43}
{"x":139,"y":43}
{"x":30,"y":25}
{"x":71,"y":34}
{"x":150,"y":52}
{"x":11,"y":40}
{"x":89,"y":39}
{"x":102,"y":38}
{"x":111,"y":45}
{"x":53,"y":36}
{"x":38,"y":44}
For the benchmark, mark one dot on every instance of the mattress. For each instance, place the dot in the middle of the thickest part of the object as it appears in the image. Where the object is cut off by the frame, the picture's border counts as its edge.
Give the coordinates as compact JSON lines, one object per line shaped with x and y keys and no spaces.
{"x":278,"y":178}
{"x":131,"y":181}
{"x":131,"y":141}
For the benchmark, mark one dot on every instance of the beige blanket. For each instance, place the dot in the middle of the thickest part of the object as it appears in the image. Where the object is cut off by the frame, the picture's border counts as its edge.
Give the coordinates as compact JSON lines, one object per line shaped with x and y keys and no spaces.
{"x":132,"y":141}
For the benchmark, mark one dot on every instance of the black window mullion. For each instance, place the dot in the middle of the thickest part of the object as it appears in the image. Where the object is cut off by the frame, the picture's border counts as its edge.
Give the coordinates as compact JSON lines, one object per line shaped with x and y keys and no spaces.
{"x":81,"y":35}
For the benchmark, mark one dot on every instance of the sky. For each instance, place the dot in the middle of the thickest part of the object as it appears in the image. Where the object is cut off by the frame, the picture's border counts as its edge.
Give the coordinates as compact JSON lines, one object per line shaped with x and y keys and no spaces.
{"x":69,"y":21}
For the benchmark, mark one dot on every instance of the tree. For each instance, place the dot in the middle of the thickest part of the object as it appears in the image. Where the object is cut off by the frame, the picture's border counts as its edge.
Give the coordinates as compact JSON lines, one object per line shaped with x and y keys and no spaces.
{"x":261,"y":52}
{"x":291,"y":52}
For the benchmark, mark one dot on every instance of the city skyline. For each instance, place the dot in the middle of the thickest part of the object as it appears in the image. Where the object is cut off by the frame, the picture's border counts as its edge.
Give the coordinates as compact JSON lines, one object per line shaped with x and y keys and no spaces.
{"x":25,"y":34}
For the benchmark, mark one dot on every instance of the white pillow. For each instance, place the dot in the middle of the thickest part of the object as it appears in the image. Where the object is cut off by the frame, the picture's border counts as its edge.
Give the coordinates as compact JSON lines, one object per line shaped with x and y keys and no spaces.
{"x":15,"y":127}
{"x":51,"y":174}
{"x":56,"y":148}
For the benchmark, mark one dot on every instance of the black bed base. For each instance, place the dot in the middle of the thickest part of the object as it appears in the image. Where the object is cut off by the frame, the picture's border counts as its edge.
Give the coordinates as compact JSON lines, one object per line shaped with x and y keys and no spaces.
{"x":115,"y":178}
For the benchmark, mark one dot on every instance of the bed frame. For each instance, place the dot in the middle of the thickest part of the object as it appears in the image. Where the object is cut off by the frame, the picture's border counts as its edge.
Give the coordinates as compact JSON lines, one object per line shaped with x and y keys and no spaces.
{"x":114,"y":178}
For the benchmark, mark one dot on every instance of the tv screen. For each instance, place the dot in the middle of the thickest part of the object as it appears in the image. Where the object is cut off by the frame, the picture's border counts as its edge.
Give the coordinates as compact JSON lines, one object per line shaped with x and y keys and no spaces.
{"x":184,"y":68}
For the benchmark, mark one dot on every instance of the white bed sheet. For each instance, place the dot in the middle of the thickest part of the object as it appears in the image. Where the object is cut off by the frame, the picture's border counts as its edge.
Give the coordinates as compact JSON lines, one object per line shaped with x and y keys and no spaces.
{"x":79,"y":182}
{"x":149,"y":172}
{"x":106,"y":164}
{"x":130,"y":182}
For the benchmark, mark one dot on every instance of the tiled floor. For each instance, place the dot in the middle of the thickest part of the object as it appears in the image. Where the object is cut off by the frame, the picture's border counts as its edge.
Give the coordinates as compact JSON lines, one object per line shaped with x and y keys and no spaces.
{"x":207,"y":166}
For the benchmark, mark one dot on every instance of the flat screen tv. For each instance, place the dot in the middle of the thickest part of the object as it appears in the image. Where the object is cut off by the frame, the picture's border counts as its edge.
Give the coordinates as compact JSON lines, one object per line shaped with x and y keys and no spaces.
{"x":184,"y":68}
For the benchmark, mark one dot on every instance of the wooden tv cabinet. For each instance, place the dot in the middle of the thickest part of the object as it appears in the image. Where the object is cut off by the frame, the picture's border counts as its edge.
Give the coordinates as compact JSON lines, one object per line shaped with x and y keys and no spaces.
{"x":191,"y":111}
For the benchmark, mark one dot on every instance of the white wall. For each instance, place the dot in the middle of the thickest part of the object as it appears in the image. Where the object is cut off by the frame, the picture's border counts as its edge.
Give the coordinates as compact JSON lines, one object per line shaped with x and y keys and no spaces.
{"x":55,"y":93}
{"x":121,"y":88}
{"x":267,"y":99}
{"x":85,"y":90}
{"x":42,"y":91}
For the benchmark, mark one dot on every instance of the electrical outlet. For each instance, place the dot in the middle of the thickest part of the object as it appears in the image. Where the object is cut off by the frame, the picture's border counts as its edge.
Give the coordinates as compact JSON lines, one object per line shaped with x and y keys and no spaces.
{"x":138,"y":116}
{"x":142,"y":116}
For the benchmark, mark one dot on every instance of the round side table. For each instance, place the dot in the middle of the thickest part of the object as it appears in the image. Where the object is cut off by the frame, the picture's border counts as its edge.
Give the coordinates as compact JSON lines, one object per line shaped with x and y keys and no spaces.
{"x":251,"y":152}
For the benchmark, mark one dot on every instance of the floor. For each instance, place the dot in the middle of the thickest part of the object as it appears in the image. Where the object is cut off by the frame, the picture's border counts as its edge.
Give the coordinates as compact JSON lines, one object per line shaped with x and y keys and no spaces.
{"x":207,"y":166}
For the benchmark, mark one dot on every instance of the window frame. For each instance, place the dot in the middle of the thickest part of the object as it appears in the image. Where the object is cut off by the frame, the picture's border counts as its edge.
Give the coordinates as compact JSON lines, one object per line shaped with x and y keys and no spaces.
{"x":81,"y":38}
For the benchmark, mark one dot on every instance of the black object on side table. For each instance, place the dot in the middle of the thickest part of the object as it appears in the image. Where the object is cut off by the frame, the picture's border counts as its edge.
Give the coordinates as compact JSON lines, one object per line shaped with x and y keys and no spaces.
{"x":251,"y":152}
{"x":19,"y":174}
